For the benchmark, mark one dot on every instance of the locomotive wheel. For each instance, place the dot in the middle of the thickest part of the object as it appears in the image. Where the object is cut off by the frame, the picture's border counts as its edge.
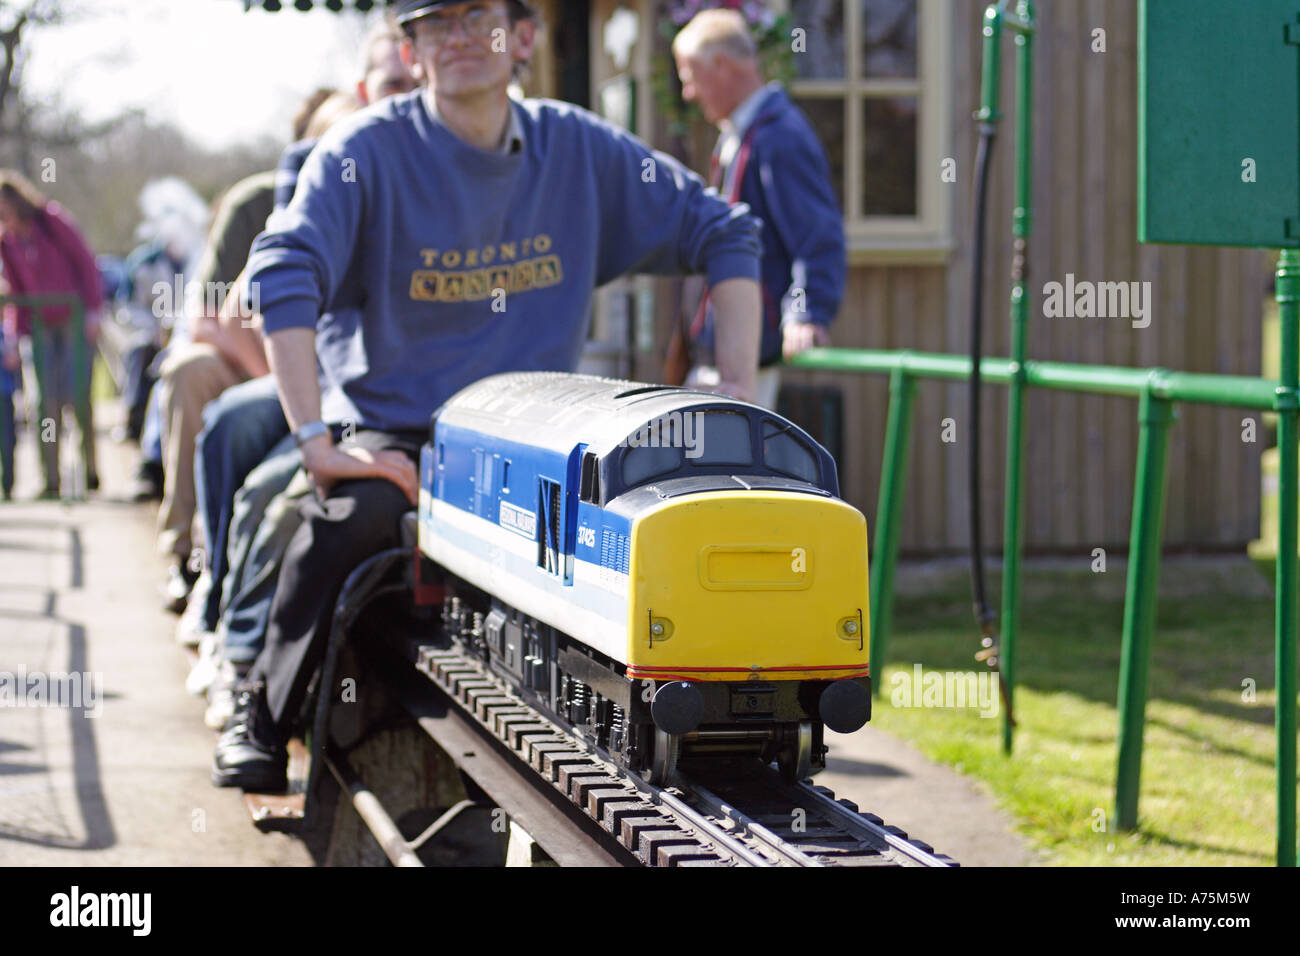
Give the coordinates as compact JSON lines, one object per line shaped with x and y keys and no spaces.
{"x":794,"y":759}
{"x":663,"y":766}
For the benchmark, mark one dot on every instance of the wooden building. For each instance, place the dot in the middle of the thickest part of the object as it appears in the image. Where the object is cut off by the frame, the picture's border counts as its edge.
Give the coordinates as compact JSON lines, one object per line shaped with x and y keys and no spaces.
{"x":892,"y":85}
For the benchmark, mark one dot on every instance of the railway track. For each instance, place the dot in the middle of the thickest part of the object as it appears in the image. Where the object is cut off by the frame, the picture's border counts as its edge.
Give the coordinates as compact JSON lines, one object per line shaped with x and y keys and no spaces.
{"x":709,"y":817}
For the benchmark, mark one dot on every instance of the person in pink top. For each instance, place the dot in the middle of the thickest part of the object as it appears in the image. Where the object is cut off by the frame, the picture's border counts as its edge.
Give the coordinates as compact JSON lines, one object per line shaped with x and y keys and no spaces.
{"x":43,"y":253}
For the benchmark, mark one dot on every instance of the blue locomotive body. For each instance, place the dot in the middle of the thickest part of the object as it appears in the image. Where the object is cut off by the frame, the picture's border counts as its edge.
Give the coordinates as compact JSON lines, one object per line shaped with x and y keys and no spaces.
{"x":608,"y":533}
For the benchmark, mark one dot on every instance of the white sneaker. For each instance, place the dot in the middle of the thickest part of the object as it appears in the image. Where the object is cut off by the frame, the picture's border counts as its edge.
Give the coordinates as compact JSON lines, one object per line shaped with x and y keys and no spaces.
{"x":189,"y":629}
{"x":221,"y":695}
{"x":205,"y":671}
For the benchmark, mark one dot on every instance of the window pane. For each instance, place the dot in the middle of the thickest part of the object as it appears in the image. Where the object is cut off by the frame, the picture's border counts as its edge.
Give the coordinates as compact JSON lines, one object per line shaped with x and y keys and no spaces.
{"x":889,"y":157}
{"x":827,"y":119}
{"x":888,"y":38}
{"x":723,"y":439}
{"x":640,"y":464}
{"x":785,"y":453}
{"x":823,"y":24}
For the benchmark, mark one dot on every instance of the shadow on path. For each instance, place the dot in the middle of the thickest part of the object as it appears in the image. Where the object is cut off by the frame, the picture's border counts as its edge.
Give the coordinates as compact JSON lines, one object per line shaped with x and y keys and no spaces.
{"x":87,"y":785}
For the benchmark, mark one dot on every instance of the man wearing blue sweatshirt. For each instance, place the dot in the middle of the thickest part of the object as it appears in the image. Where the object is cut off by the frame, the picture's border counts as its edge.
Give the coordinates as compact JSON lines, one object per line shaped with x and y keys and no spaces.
{"x":434,"y":239}
{"x":768,"y":157}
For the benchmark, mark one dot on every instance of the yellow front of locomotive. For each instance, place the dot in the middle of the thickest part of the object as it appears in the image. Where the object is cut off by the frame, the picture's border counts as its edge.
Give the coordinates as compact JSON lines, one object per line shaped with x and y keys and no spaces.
{"x":768,"y":587}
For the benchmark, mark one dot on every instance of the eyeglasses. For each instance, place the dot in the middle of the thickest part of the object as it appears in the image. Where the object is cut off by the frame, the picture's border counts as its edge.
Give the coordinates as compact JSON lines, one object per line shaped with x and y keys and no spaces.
{"x":476,"y":24}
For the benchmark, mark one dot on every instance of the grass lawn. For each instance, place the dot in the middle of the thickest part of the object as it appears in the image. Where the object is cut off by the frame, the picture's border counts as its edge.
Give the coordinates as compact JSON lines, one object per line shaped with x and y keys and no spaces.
{"x":1208,"y":786}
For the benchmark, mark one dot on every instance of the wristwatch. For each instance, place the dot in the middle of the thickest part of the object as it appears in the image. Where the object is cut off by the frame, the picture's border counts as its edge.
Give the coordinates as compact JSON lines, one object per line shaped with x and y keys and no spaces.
{"x":306,"y":433}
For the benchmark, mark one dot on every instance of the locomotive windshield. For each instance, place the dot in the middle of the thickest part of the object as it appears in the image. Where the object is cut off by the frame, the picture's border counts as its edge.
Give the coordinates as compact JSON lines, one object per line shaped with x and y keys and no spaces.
{"x":714,"y":442}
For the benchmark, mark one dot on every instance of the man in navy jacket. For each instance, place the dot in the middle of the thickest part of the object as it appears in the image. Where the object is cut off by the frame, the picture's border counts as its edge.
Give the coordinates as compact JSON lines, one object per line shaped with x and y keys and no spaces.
{"x":769,"y":158}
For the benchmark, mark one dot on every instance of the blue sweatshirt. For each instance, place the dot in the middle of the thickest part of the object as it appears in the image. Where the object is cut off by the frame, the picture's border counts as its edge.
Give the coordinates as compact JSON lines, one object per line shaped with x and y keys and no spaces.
{"x":287,"y":170}
{"x":426,"y":264}
{"x":787,"y":185}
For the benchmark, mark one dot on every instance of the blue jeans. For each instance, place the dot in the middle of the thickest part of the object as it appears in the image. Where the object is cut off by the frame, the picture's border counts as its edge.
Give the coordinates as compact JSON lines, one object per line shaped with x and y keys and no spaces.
{"x":264,"y":519}
{"x":151,"y":434}
{"x":239,"y":427}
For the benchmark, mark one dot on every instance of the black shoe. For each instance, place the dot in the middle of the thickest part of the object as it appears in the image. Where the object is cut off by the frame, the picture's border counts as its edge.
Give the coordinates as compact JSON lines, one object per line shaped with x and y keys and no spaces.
{"x":250,"y":753}
{"x":148,"y":485}
{"x":92,"y":482}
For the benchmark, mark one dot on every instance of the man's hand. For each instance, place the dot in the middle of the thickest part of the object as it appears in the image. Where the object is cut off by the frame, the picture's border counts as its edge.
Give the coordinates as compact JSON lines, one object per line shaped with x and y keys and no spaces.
{"x":9,"y":356}
{"x":206,"y":331}
{"x":801,"y":336}
{"x":328,"y":464}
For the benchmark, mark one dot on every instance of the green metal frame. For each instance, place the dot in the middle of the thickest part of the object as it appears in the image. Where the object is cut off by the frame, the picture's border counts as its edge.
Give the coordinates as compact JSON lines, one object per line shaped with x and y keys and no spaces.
{"x":38,"y":303}
{"x":1157,"y":390}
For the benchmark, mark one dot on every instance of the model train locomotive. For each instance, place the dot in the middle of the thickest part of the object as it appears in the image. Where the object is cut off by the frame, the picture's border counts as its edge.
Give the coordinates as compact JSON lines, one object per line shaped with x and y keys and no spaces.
{"x":670,"y":572}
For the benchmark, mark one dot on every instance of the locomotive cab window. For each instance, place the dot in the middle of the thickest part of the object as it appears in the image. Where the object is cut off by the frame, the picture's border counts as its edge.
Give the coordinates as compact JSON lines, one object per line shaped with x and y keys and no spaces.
{"x":643,"y":462}
{"x":786,"y":454}
{"x":719,"y":438}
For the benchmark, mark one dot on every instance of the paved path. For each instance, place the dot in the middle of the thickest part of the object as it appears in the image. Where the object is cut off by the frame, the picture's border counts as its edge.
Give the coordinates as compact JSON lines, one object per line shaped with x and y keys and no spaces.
{"x":79,"y":593}
{"x":931,"y":802}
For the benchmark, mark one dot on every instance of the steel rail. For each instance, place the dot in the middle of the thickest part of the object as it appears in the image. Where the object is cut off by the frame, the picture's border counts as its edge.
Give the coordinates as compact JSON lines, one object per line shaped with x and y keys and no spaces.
{"x":660,"y":826}
{"x":785,"y":850}
{"x":868,"y":829}
{"x":553,"y":824}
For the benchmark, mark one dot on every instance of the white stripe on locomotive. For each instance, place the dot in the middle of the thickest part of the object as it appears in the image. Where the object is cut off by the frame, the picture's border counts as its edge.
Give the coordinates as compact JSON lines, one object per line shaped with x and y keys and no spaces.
{"x":592,"y":610}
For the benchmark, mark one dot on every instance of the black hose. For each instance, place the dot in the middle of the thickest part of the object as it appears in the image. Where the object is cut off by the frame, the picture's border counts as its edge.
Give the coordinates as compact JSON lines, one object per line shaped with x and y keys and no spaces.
{"x":984,"y":617}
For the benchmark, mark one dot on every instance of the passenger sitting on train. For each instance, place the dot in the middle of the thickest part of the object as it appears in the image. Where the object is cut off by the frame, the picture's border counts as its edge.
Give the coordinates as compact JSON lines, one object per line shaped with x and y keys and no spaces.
{"x":244,"y":457}
{"x":434,"y":239}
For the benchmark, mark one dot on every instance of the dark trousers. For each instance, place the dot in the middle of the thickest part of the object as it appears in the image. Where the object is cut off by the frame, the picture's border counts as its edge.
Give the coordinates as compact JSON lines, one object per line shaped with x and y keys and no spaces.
{"x":358,"y":520}
{"x":7,"y":441}
{"x":240,"y":426}
{"x":139,"y":382}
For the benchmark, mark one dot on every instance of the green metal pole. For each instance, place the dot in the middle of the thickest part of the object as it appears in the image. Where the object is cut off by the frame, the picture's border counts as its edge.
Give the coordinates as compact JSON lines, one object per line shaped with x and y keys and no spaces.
{"x":1022,"y":226}
{"x":893,"y":473}
{"x":991,"y":68}
{"x":1155,"y":415}
{"x":1288,"y":306}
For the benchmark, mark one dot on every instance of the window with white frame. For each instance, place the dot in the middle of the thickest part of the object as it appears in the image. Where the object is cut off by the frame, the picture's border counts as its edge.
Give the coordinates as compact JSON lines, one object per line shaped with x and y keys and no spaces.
{"x":872,"y":78}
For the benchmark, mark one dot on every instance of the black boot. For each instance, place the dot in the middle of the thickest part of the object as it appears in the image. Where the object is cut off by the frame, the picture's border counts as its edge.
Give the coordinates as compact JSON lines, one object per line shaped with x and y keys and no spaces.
{"x":250,"y":753}
{"x":148,"y":482}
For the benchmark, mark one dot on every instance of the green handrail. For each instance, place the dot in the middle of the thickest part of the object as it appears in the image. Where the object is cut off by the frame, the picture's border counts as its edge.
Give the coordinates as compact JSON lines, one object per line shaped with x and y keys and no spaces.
{"x":1157,"y":390}
{"x":1238,"y":391}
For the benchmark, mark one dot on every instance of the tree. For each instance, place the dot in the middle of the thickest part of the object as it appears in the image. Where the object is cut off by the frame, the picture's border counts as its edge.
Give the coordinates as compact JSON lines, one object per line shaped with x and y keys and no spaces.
{"x":15,"y":19}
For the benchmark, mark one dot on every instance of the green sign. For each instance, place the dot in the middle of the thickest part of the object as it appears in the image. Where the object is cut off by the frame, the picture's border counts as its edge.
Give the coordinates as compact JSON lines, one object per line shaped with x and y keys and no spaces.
{"x":1219,"y":122}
